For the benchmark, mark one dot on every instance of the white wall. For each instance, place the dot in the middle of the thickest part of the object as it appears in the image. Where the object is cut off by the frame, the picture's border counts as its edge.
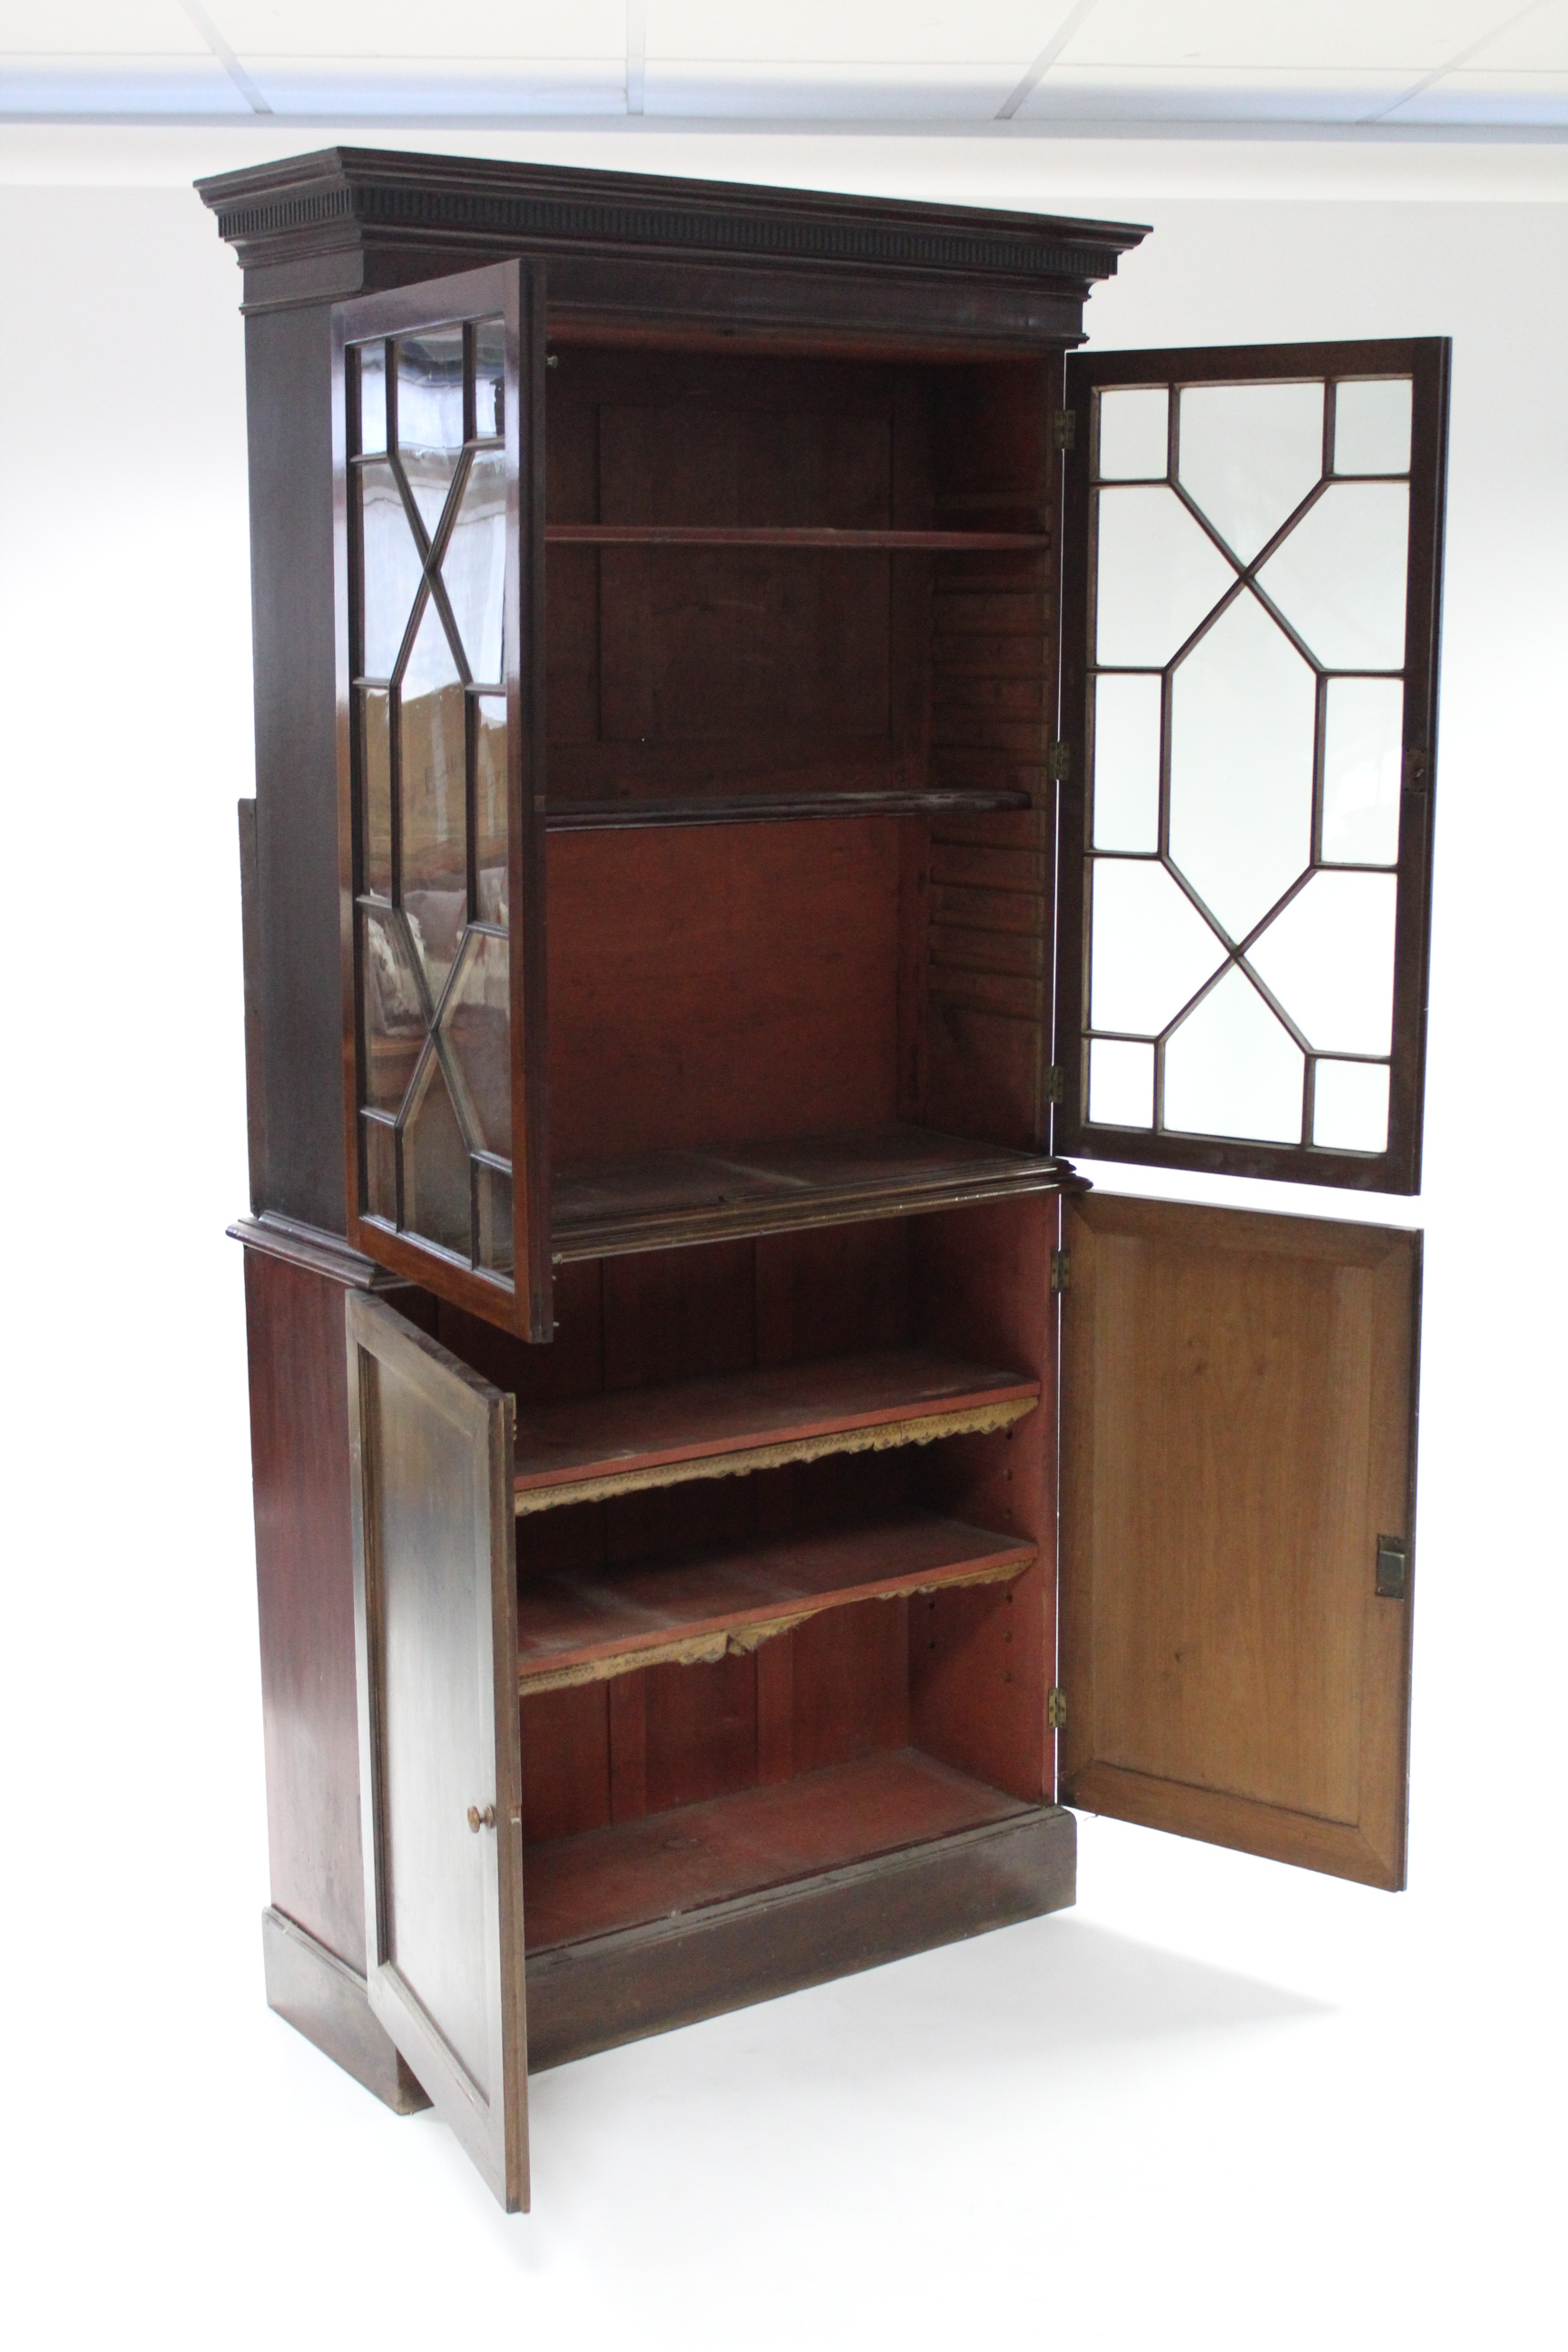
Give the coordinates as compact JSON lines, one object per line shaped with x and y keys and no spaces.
{"x":1222,"y":2104}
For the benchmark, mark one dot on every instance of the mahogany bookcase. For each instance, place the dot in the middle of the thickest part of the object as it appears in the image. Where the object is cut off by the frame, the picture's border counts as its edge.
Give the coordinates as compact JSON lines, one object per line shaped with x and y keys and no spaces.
{"x":763,"y":746}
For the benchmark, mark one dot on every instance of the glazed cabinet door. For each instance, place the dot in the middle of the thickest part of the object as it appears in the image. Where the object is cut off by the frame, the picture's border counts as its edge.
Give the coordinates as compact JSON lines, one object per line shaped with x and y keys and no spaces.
{"x":1252,"y":551}
{"x":1237,"y":1477}
{"x":436,"y":1640}
{"x":440,"y":417}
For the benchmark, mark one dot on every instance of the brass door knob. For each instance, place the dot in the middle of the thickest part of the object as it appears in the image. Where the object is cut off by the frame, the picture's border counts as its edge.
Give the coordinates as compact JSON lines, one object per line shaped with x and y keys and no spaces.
{"x":485,"y":1821}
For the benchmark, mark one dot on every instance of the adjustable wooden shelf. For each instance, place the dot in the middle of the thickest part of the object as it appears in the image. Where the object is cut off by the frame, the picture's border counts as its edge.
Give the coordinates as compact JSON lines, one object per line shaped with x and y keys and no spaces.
{"x":760,"y":750}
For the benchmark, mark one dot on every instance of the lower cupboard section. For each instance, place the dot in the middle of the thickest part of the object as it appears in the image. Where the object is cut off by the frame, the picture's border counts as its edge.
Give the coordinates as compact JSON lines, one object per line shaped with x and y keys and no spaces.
{"x":638,"y":1928}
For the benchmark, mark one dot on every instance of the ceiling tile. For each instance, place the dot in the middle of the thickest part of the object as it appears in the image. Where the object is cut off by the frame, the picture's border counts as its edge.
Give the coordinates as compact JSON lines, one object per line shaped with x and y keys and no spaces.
{"x":770,"y":34}
{"x":351,"y":35}
{"x":1242,"y":35}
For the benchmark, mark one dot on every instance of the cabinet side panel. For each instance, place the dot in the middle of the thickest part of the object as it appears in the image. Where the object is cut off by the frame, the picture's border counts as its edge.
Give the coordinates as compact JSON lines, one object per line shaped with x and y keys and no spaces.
{"x":982,"y":1661}
{"x":304,"y":1559}
{"x":288,"y":402}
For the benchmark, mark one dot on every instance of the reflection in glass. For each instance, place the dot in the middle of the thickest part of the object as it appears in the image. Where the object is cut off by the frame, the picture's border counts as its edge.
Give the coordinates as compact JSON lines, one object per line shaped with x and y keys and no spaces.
{"x":395,"y":1026}
{"x":435,"y":828}
{"x":1361,"y":764}
{"x":488,"y":720}
{"x":475,"y":1026}
{"x":1133,"y":432}
{"x":391,"y":568}
{"x":1158,"y":575}
{"x":380,"y":1169}
{"x":1120,"y":1083}
{"x":490,"y":379}
{"x":1151,"y":950}
{"x":474,"y":566}
{"x":1338,"y":578}
{"x":1249,"y":454}
{"x":493,"y":1190}
{"x":1242,"y":721}
{"x":1349,"y":1105}
{"x":1329,"y":958}
{"x":375,"y":762}
{"x":1232,"y":1070}
{"x":431,"y":662}
{"x":437,"y":1203}
{"x":430,"y":416}
{"x":372,"y":398}
{"x":1372,"y":425}
{"x":1126,"y":762}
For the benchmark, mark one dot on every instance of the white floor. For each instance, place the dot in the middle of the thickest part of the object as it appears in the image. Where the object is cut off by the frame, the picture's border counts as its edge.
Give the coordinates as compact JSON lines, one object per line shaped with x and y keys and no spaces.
{"x":1221,"y":2104}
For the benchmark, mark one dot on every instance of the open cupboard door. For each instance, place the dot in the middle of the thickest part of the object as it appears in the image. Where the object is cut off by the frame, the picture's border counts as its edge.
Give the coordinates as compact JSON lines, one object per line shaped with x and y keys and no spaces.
{"x":1237,"y":1473}
{"x":436,"y":1648}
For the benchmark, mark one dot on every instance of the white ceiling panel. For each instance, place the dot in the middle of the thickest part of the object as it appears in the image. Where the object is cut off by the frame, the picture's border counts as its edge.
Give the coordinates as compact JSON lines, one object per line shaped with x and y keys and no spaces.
{"x":1483,"y":65}
{"x":1524,"y":101}
{"x":105,"y":29}
{"x":842,"y":92}
{"x":773,"y":34}
{"x":1212,"y":94}
{"x":419,"y":32}
{"x":1291,"y":36}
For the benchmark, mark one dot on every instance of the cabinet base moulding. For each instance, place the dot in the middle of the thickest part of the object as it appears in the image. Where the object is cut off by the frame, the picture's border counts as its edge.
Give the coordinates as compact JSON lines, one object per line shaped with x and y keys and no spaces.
{"x":617,"y":1987}
{"x":327,"y":2002}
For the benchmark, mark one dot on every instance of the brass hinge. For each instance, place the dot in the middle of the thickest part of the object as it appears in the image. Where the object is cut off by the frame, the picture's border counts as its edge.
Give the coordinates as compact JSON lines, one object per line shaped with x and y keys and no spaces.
{"x":1393,"y":1567}
{"x":1060,"y":762}
{"x":1061,"y":1270}
{"x":1055,"y":1084}
{"x":1056,"y":1707}
{"x":1063,"y":428}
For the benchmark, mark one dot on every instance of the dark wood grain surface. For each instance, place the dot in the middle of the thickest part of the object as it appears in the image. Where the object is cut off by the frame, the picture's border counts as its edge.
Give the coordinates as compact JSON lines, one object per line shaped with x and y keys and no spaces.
{"x":644,"y":1428}
{"x":588,"y":1624}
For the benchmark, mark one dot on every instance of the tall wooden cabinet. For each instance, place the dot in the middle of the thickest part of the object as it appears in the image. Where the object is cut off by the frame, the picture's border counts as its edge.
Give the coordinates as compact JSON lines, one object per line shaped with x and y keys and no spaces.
{"x":763,"y":746}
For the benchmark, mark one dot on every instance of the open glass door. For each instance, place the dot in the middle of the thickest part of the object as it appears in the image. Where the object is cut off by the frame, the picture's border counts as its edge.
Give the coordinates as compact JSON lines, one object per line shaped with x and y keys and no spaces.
{"x":438,"y":407}
{"x":1252,"y":563}
{"x":440,"y":1769}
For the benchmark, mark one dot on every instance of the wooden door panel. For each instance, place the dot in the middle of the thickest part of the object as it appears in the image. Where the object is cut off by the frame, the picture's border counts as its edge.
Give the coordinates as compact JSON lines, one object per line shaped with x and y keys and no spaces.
{"x":435,"y":1631}
{"x":1238,"y":1435}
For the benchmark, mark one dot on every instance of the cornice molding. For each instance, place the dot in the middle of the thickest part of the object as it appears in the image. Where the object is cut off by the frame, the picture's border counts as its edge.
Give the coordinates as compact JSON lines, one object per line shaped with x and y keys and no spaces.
{"x":280,"y":211}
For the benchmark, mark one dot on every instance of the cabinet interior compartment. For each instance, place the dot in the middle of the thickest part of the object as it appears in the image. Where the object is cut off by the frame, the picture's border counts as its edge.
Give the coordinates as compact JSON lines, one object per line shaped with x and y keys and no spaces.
{"x":837,"y":1727}
{"x":753,"y":1019}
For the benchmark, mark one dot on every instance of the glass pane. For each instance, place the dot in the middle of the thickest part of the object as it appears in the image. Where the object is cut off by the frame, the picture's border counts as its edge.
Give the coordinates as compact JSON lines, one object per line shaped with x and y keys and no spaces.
{"x":490,"y":378}
{"x":391,"y":568}
{"x":1127,"y":763}
{"x":376,"y":766}
{"x":1339,"y":579}
{"x":395,"y":1028}
{"x":1134,"y":433}
{"x":1120,"y":1083}
{"x":435,"y":828}
{"x":1371,"y":426}
{"x":1349,"y":1105}
{"x":1151,"y":950}
{"x":1360,"y":771}
{"x":372,"y":398}
{"x":475,"y":1027}
{"x":490,"y":808}
{"x":1244,"y":708}
{"x":380,"y":1169}
{"x":1329,"y":958}
{"x":437,"y":1204}
{"x":1249,"y":454}
{"x":431,"y":662}
{"x":474,"y":566}
{"x":494,"y":1203}
{"x":1158,"y":575}
{"x":1232,"y":1069}
{"x":430,"y":416}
